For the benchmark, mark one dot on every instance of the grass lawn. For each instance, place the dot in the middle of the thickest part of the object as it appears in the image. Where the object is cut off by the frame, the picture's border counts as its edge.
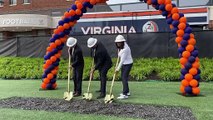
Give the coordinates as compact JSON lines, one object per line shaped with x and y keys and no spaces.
{"x":150,"y":92}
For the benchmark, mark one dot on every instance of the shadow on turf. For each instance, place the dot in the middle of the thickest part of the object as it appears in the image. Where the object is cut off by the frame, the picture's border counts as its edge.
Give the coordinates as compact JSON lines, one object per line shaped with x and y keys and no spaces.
{"x":200,"y":95}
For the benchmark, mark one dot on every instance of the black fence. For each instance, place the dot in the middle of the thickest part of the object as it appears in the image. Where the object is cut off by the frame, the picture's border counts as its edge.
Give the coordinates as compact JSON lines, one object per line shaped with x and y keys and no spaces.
{"x":146,"y":45}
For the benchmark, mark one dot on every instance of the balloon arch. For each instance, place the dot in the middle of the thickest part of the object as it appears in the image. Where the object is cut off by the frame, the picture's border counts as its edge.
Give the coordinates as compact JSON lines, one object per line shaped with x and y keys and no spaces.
{"x":188,"y":53}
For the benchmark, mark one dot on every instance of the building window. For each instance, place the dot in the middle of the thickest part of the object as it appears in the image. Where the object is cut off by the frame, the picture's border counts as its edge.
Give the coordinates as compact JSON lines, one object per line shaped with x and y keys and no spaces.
{"x":1,"y":3}
{"x":26,"y":1}
{"x":13,"y":2}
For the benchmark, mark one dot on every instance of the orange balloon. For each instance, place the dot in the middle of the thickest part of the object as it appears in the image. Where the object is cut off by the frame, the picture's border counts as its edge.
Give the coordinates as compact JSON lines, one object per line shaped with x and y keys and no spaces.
{"x":48,"y":62}
{"x":171,"y":26}
{"x":184,"y":83}
{"x":182,"y":66}
{"x":180,"y":33}
{"x":193,"y":71}
{"x":58,"y":42}
{"x":192,"y":35}
{"x":183,"y":61}
{"x":189,"y":48}
{"x":56,"y":31}
{"x":66,"y":26}
{"x":168,"y":7}
{"x":79,"y":6}
{"x":196,"y":90}
{"x":93,"y":2}
{"x":49,"y":49}
{"x":61,"y":28}
{"x":194,"y":83}
{"x":63,"y":40}
{"x":182,"y":26}
{"x":188,"y":77}
{"x":71,"y":12}
{"x":71,"y":24}
{"x":179,"y":45}
{"x":52,"y":45}
{"x":53,"y":58}
{"x":43,"y":85}
{"x":191,"y":41}
{"x":175,"y":16}
{"x":76,"y":2}
{"x":178,"y":39}
{"x":174,"y":10}
{"x":46,"y":81}
{"x":50,"y":76}
{"x":149,"y":2}
{"x":54,"y":72}
{"x":58,"y":55}
{"x":54,"y":85}
{"x":183,"y":20}
{"x":182,"y":89}
{"x":197,"y":59}
{"x":186,"y":54}
{"x":66,"y":14}
{"x":78,"y":12}
{"x":196,"y":65}
{"x":168,"y":2}
{"x":161,"y":1}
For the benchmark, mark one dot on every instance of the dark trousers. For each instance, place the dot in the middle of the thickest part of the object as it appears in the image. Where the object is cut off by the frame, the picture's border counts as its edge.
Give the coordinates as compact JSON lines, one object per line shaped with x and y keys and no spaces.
{"x":103,"y":78}
{"x":77,"y":79}
{"x":125,"y":70}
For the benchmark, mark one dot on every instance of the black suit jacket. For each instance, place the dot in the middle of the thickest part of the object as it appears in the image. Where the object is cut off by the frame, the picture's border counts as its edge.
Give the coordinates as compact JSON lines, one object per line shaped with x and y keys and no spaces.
{"x":77,"y":57}
{"x":102,"y":58}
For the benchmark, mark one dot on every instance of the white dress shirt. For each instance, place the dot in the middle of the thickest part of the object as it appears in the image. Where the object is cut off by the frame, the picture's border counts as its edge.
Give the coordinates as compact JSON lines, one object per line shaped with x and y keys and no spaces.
{"x":125,"y":56}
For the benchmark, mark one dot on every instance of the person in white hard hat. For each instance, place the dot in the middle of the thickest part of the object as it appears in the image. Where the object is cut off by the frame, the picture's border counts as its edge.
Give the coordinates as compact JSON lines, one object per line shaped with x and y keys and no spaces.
{"x":125,"y":64}
{"x":102,"y":61}
{"x":77,"y":64}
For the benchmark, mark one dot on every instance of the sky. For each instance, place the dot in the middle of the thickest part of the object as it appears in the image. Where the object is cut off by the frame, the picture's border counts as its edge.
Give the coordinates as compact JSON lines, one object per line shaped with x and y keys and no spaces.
{"x":121,"y":1}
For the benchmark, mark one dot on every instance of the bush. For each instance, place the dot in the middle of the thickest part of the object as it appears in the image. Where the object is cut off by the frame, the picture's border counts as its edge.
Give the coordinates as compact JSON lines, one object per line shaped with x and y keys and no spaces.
{"x":167,"y":69}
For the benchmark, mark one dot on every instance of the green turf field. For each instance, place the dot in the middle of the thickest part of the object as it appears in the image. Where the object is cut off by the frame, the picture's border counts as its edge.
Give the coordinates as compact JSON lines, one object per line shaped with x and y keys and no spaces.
{"x":150,"y":92}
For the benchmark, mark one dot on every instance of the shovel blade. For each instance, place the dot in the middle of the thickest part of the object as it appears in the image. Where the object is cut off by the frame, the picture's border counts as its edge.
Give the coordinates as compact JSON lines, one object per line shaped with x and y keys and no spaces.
{"x":68,"y":96}
{"x":109,"y":98}
{"x":87,"y":96}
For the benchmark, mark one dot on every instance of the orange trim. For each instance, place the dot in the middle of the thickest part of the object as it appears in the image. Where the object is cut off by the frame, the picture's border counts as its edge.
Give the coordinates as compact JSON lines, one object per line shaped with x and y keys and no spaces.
{"x":144,"y":13}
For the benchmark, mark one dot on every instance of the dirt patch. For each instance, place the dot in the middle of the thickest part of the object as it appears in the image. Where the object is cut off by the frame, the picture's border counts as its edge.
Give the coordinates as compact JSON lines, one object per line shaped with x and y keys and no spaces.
{"x":153,"y":76}
{"x":151,"y":112}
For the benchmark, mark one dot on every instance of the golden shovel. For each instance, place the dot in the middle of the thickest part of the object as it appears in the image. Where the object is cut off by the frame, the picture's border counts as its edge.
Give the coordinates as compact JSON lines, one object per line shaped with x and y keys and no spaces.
{"x":110,"y":97}
{"x":68,"y":95}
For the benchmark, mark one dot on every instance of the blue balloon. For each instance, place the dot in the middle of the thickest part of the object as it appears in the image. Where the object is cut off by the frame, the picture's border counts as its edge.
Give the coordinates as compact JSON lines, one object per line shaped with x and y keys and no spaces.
{"x":71,"y":19}
{"x":67,"y":32}
{"x":66,"y":20}
{"x":52,"y":39}
{"x":182,"y":77}
{"x":55,"y":64}
{"x":55,"y":50}
{"x":194,"y":53}
{"x":74,"y":7}
{"x":164,"y":13}
{"x":49,"y":86}
{"x":181,"y":15}
{"x":181,"y":49}
{"x":44,"y":75}
{"x":61,"y":22}
{"x":175,"y":23}
{"x":154,"y":2}
{"x":162,"y":7}
{"x":86,"y":4}
{"x":180,"y":55}
{"x":53,"y":81}
{"x":157,"y":7}
{"x":186,"y":36}
{"x":184,"y":43}
{"x":61,"y":34}
{"x":174,"y":30}
{"x":169,"y":20}
{"x":56,"y":36}
{"x":188,"y":90}
{"x":46,"y":57}
{"x":49,"y":69}
{"x":197,"y":77}
{"x":198,"y":71}
{"x":90,"y":6}
{"x":188,"y":30}
{"x":191,"y":59}
{"x":173,"y":5}
{"x":84,"y":10}
{"x":184,"y":71}
{"x":188,"y":66}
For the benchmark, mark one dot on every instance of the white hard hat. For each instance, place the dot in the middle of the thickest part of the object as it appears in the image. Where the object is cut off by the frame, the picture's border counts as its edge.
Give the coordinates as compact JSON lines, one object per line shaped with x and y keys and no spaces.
{"x":71,"y":41}
{"x":120,"y":38}
{"x":91,"y":42}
